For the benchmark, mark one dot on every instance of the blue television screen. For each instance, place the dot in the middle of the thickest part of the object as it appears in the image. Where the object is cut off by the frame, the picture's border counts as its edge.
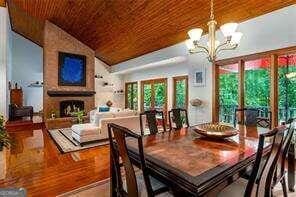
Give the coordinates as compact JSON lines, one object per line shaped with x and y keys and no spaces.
{"x":72,"y":69}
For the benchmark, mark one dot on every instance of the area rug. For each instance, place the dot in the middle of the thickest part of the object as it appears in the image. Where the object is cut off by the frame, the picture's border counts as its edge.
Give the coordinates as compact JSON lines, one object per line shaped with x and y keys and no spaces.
{"x":65,"y":143}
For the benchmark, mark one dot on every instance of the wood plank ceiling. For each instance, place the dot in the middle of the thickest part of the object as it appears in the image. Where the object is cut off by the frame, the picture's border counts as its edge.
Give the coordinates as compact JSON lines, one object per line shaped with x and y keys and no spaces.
{"x":119,"y":30}
{"x":2,"y":3}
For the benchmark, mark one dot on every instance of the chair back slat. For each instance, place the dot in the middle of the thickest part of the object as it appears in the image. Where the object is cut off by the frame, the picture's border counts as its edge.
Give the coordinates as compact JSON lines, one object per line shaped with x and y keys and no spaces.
{"x":151,"y":121}
{"x":119,"y":150}
{"x":179,"y":117}
{"x":286,"y":146}
{"x":251,"y":117}
{"x":117,"y":138}
{"x":265,"y":178}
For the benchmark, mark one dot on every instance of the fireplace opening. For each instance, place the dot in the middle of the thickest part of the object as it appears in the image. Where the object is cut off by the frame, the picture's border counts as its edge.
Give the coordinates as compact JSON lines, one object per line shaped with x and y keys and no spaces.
{"x":69,"y":106}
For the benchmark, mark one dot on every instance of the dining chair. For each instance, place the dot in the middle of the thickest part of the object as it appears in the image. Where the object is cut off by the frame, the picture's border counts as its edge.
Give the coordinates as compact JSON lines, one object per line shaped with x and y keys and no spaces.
{"x":132,"y":185}
{"x":260,"y":182}
{"x":151,"y":119}
{"x":252,"y":117}
{"x":178,"y":116}
{"x":281,"y":172}
{"x":280,"y":168}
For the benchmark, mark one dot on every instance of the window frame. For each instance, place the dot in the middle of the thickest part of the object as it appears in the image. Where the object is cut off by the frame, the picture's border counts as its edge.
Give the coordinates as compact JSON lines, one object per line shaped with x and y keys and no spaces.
{"x":273,"y":55}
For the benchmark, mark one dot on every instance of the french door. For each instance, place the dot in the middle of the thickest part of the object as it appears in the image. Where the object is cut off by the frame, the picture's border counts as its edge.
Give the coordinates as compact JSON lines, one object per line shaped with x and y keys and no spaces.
{"x":154,"y":95}
{"x":131,"y":95}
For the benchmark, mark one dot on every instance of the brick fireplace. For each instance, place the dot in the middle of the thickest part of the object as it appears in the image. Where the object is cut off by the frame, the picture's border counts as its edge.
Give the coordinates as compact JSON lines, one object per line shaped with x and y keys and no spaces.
{"x":56,"y":40}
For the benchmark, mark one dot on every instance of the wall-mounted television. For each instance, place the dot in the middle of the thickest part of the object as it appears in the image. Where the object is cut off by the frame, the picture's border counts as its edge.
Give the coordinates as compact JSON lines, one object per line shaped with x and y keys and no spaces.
{"x":72,"y":69}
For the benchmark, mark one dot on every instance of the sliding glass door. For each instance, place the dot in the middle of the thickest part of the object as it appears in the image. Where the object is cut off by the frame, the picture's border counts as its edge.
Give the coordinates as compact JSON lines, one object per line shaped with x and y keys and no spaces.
{"x":287,"y":86}
{"x":257,"y":85}
{"x":154,"y":94}
{"x":228,"y":92}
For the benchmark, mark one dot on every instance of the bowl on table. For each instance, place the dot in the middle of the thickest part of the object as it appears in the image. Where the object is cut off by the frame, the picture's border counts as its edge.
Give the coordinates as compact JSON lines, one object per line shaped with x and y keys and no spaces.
{"x":215,"y":130}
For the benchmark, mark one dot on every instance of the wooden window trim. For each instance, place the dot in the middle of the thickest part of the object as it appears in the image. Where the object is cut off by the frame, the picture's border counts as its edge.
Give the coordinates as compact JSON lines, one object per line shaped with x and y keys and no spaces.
{"x":273,"y":54}
{"x":266,"y":54}
{"x":179,"y":78}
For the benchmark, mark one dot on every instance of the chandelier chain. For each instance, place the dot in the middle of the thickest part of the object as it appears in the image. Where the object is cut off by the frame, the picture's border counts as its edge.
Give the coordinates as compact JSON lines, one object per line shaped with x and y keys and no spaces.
{"x":212,"y":10}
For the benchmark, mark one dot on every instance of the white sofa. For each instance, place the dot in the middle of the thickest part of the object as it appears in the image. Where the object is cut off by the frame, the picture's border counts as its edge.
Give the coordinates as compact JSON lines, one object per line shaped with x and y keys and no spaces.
{"x":97,"y":129}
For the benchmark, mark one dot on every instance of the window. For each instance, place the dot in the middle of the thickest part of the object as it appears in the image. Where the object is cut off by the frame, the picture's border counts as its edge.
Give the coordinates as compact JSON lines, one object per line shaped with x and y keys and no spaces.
{"x":265,"y":81}
{"x":257,"y":84}
{"x":131,"y":95}
{"x":228,"y":92}
{"x":180,"y":92}
{"x":287,"y":86}
{"x":154,"y":94}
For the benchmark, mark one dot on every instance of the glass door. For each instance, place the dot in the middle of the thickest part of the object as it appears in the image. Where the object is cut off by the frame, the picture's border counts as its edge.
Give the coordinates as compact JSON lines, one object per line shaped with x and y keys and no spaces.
{"x":180,"y":95}
{"x":131,"y":95}
{"x":154,"y":94}
{"x":147,"y":97}
{"x":287,"y":87}
{"x":257,"y":85}
{"x":228,"y":92}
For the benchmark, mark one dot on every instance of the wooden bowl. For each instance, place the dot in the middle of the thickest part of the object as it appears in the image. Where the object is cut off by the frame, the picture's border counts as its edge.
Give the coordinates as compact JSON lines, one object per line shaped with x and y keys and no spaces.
{"x":215,"y":130}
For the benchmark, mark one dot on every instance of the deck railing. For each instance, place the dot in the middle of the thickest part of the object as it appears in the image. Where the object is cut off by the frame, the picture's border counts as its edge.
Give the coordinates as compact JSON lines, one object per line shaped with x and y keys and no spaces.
{"x":226,"y":113}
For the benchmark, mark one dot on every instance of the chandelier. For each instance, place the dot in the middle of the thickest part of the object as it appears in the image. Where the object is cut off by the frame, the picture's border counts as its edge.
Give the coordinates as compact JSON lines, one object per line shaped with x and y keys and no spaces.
{"x":213,"y":47}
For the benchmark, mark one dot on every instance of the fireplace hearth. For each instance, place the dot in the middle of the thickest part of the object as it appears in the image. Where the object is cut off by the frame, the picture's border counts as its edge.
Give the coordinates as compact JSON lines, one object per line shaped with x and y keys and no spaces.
{"x":67,"y":107}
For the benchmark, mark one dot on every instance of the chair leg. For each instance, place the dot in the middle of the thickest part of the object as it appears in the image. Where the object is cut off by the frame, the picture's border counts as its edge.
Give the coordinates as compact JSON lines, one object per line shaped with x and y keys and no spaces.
{"x":284,"y":186}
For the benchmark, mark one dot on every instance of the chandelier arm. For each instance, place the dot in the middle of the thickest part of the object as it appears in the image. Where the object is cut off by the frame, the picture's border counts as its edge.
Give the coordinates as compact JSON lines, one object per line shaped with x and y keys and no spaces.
{"x":204,"y":48}
{"x":194,"y":51}
{"x":220,"y":46}
{"x":232,"y":47}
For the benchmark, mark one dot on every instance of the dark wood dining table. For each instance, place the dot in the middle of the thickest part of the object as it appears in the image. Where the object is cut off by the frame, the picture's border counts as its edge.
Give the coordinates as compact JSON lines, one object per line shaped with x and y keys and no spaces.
{"x":196,"y":166}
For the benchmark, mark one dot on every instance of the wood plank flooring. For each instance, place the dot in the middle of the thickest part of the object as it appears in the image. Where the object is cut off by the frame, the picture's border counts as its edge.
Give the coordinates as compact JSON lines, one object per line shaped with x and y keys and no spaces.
{"x":35,"y":163}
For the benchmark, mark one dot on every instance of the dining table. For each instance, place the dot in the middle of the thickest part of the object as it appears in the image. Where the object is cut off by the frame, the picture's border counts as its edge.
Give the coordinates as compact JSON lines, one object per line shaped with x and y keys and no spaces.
{"x":193,"y":165}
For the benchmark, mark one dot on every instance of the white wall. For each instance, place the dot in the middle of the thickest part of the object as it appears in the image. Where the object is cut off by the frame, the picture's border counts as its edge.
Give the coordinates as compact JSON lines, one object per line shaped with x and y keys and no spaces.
{"x":104,"y":94}
{"x":267,"y":32}
{"x":27,"y":67}
{"x":4,"y":59}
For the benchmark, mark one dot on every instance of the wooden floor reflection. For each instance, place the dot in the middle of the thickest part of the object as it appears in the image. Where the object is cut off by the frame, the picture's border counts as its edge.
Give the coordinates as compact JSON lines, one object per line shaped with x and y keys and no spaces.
{"x":35,"y":163}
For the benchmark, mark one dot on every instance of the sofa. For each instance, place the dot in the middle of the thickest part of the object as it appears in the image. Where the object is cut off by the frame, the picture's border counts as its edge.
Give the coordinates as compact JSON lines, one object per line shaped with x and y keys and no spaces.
{"x":97,"y":129}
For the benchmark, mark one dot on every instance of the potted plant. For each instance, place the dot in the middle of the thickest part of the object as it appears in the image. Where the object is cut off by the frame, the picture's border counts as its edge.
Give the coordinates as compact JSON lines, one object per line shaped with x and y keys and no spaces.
{"x":4,"y":137}
{"x":79,"y":114}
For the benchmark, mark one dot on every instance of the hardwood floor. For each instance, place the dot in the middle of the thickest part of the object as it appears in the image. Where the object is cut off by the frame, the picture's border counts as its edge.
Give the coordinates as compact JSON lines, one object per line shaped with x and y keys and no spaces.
{"x":35,"y":163}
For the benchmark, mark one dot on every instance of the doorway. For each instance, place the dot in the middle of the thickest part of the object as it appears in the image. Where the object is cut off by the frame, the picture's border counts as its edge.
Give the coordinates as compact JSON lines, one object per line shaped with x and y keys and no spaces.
{"x":154,"y":95}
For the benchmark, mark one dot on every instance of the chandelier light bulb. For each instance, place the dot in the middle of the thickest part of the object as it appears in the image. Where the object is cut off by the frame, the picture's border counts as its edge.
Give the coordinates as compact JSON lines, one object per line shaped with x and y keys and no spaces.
{"x":236,"y":37}
{"x":189,"y":44}
{"x":195,"y":34}
{"x":228,"y":29}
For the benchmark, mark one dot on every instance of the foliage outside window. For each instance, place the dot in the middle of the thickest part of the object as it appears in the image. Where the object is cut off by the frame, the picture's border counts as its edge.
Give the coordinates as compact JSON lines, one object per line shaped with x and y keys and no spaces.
{"x":154,"y":94}
{"x":131,"y":96}
{"x":180,"y":92}
{"x":228,"y":91}
{"x":159,"y":95}
{"x":287,"y":87}
{"x":257,"y":83}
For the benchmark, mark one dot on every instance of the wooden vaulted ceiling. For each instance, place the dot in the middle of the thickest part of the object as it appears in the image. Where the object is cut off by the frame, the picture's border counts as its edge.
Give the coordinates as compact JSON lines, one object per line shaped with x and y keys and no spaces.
{"x":119,"y":30}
